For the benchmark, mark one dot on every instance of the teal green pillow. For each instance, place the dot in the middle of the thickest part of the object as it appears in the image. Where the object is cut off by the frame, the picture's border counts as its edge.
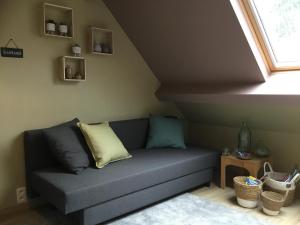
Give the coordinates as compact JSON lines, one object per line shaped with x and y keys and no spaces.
{"x":165,"y":132}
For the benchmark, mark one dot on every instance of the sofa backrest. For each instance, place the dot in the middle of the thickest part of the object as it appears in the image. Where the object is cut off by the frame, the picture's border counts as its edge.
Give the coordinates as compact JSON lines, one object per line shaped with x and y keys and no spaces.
{"x":132,"y":133}
{"x":37,"y":155}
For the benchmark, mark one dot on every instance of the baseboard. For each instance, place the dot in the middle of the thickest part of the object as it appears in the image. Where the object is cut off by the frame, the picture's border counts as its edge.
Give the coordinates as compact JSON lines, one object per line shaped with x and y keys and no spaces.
{"x":31,"y":204}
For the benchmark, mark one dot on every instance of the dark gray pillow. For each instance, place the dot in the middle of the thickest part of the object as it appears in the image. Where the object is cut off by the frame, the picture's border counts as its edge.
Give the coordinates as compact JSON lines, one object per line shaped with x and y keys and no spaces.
{"x":68,"y":146}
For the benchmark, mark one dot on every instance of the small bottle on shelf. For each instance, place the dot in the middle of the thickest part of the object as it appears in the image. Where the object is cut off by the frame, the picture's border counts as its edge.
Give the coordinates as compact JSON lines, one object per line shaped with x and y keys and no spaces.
{"x":68,"y":72}
{"x":76,"y":50}
{"x":50,"y":27}
{"x":97,"y":47}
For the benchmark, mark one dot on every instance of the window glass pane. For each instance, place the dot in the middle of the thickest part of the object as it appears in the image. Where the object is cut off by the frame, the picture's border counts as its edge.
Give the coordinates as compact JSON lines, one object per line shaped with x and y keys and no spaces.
{"x":281,"y":21}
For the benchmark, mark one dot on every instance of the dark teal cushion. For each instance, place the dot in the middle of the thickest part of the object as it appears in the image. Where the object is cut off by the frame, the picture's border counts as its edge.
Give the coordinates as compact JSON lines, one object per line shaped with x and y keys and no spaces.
{"x":165,"y":132}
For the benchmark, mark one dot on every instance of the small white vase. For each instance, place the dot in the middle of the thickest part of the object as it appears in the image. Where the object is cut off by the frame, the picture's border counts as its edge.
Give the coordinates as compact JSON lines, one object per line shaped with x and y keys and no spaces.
{"x":63,"y":29}
{"x":50,"y":27}
{"x":68,"y":72}
{"x":76,"y":51}
{"x":97,"y":47}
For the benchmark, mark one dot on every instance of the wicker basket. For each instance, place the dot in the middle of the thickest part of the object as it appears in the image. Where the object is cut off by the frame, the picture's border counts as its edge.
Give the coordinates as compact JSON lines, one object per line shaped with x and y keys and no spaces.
{"x":290,"y":194}
{"x":272,"y":202}
{"x":272,"y":184}
{"x":247,"y":195}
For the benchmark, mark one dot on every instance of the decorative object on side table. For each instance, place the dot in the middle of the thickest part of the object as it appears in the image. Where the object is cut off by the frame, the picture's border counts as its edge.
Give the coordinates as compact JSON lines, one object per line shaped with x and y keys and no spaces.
{"x":76,"y":50}
{"x":244,"y":155}
{"x":50,"y":27}
{"x":261,"y":150}
{"x":244,"y":143}
{"x":244,"y":138}
{"x":63,"y":29}
{"x":226,"y":151}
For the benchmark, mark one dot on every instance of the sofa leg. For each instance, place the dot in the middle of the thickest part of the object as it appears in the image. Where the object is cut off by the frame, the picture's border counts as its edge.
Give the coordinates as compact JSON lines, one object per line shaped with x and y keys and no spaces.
{"x":78,"y":218}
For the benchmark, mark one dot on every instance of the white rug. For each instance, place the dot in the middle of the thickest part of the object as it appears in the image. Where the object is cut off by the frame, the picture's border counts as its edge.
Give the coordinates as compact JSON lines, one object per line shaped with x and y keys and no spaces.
{"x":188,"y":209}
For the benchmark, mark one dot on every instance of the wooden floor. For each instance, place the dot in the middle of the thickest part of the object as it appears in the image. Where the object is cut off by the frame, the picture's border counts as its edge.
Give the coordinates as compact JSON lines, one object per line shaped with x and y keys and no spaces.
{"x":288,"y":216}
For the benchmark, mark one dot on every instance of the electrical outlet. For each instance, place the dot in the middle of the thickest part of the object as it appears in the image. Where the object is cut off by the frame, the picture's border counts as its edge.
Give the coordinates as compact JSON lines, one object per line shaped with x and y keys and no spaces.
{"x":21,"y":195}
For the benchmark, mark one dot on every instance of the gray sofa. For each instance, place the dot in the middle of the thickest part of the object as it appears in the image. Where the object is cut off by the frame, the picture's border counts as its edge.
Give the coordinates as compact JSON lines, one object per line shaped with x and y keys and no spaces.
{"x":98,"y":195}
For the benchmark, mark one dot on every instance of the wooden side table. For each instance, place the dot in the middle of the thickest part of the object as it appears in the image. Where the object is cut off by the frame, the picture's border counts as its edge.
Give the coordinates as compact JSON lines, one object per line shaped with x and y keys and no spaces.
{"x":252,"y":165}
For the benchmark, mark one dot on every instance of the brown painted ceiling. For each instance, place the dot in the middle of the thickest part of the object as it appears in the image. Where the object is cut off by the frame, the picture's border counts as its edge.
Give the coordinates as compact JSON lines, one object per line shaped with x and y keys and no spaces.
{"x":188,"y":42}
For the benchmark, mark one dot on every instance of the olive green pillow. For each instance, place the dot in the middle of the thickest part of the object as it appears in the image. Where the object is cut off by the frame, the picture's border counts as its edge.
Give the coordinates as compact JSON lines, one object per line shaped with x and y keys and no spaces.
{"x":104,"y":144}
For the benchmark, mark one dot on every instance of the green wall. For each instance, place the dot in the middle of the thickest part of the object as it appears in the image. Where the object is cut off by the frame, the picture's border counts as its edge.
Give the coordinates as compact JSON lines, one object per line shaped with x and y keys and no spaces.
{"x":32,"y":96}
{"x":278,"y":126}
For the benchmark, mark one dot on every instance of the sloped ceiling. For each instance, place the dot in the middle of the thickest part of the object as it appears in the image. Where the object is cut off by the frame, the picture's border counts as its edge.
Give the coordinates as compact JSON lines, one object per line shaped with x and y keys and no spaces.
{"x":189,"y":42}
{"x":198,"y":51}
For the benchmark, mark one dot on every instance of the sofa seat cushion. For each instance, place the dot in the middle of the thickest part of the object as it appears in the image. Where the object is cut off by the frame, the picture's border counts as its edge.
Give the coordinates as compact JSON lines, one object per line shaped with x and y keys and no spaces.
{"x":70,"y":192}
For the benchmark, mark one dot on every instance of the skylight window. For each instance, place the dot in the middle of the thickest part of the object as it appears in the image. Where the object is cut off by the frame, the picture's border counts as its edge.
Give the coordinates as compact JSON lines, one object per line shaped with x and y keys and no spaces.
{"x":276,"y":24}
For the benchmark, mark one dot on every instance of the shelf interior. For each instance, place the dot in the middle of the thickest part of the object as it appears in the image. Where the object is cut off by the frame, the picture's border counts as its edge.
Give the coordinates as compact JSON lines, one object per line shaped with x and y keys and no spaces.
{"x":77,"y":65}
{"x":59,"y":15}
{"x":104,"y":38}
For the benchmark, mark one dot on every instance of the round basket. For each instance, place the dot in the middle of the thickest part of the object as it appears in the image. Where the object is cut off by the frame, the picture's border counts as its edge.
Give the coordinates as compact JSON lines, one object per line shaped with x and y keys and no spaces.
{"x":290,"y":194}
{"x":273,"y":183}
{"x":272,"y":202}
{"x":247,"y":195}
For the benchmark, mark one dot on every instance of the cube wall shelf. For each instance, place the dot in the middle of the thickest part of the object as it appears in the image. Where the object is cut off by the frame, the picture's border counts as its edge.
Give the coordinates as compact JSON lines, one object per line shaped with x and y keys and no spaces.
{"x":73,"y":68}
{"x":61,"y":18}
{"x":101,"y":41}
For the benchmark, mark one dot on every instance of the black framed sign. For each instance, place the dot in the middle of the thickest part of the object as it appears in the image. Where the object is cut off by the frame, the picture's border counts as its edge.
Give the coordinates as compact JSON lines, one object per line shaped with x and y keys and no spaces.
{"x":12,"y":52}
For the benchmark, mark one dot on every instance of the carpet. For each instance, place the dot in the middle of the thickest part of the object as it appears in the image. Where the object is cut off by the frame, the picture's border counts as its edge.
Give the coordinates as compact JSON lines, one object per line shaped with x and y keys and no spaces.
{"x":186,"y":209}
